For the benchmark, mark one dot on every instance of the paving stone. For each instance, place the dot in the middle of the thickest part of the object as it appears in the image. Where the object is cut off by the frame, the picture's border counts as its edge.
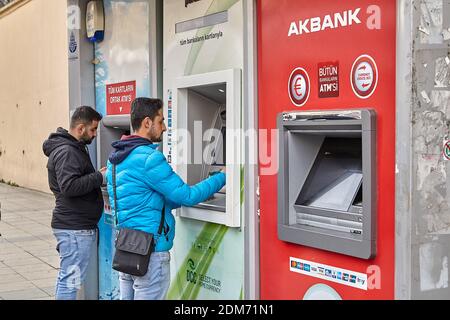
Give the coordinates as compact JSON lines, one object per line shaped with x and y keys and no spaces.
{"x":19,"y":254}
{"x":38,"y":275}
{"x":49,"y":290}
{"x":25,"y":294}
{"x":14,"y":286}
{"x":5,"y":272}
{"x":45,"y":298}
{"x":4,"y":281}
{"x":29,"y":261}
{"x":51,"y":260}
{"x":33,"y":268}
{"x":22,"y":262}
{"x":43,"y":253}
{"x":45,"y":283}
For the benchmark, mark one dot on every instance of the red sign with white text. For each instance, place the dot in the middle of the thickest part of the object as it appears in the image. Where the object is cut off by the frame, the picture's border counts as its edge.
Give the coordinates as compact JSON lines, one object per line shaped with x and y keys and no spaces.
{"x":328,"y":76}
{"x":119,"y":97}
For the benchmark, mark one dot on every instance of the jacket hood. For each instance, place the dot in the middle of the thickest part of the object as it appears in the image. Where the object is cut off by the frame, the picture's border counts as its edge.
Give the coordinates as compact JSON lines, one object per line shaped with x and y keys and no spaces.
{"x":59,"y":138}
{"x":123,"y":147}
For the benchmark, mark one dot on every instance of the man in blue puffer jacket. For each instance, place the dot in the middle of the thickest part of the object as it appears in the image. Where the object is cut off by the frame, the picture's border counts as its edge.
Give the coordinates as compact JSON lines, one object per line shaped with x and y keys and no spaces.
{"x":145,"y":183}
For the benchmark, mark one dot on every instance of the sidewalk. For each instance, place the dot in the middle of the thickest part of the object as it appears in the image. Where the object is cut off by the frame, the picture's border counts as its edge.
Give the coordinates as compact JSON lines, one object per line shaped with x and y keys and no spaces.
{"x":28,"y":258}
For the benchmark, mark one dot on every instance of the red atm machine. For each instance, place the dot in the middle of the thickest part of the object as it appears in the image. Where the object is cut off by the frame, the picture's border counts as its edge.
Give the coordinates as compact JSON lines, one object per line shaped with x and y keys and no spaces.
{"x":327,"y":167}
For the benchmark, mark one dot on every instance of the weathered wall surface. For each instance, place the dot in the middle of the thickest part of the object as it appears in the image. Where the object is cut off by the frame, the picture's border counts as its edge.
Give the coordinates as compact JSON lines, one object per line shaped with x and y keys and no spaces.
{"x":34,"y":91}
{"x":423,"y":190}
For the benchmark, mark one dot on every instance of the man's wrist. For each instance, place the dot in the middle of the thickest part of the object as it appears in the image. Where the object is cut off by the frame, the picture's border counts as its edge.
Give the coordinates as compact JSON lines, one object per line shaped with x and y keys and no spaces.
{"x":103,"y":178}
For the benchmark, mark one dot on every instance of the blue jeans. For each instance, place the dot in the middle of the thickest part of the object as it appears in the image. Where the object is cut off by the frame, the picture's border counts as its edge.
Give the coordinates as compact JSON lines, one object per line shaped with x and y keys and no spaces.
{"x":153,"y":285}
{"x":74,"y":248}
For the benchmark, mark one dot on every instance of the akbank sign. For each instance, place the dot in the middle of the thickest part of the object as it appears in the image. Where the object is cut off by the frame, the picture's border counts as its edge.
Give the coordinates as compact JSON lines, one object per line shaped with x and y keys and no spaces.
{"x":342,"y":19}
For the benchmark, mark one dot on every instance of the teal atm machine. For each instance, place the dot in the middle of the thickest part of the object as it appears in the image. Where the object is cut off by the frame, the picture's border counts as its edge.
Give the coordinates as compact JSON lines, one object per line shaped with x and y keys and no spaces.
{"x":127,"y":64}
{"x":111,"y":129}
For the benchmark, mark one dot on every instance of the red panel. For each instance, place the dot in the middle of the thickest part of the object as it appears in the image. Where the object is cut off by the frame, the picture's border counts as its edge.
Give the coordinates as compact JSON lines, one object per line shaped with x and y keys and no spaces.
{"x":278,"y":56}
{"x":119,"y":97}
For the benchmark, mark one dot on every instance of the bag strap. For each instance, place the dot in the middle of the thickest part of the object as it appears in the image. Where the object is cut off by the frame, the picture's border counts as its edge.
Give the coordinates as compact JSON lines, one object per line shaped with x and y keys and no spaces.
{"x":115,"y":194}
{"x":161,"y":223}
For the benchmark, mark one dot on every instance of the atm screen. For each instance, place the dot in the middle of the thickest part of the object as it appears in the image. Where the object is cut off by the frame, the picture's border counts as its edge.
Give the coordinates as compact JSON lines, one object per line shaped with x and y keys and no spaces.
{"x":220,"y":152}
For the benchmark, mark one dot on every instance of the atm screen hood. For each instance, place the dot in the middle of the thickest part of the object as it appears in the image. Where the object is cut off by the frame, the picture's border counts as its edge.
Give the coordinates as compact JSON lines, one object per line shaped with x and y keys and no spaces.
{"x":336,"y":176}
{"x":327,"y":180}
{"x":203,"y":102}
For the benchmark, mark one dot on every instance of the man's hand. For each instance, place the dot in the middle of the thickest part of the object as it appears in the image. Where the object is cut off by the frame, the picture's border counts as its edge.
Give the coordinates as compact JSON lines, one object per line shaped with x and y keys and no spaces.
{"x":211,"y":173}
{"x":218,"y":171}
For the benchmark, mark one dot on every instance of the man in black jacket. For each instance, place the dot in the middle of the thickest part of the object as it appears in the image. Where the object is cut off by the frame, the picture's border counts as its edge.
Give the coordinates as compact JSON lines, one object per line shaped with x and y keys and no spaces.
{"x":79,"y":203}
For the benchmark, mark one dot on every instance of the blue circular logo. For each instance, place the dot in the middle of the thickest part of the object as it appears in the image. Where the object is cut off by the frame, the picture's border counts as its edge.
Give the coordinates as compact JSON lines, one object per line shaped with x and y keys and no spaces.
{"x":72,"y":43}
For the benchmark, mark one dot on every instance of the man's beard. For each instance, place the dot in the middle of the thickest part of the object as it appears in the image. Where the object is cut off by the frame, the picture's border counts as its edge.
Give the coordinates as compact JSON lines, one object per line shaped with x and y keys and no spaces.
{"x":159,"y":139}
{"x":153,"y":137}
{"x":87,"y":140}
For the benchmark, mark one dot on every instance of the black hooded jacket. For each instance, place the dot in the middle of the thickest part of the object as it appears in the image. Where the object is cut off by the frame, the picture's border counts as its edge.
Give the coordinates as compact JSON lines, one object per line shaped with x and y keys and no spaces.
{"x":74,"y":182}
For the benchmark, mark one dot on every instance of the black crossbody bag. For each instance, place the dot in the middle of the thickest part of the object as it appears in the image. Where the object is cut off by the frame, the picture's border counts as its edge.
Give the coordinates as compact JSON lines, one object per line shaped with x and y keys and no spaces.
{"x":133,"y":247}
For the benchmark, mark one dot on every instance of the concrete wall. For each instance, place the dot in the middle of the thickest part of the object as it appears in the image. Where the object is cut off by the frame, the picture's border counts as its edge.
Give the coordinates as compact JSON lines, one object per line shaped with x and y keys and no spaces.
{"x":34,"y":92}
{"x":423,"y":123}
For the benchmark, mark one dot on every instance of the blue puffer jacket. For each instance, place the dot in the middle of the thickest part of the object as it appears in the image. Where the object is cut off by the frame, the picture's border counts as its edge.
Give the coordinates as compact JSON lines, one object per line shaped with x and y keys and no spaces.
{"x":144,"y":181}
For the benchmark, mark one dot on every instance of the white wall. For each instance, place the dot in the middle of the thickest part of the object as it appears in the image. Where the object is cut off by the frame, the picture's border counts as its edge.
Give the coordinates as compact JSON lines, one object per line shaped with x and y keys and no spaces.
{"x":34,"y":93}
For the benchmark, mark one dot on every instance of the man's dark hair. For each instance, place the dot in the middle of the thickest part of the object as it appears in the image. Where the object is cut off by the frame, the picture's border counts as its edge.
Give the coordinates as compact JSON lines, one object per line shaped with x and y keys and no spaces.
{"x":84,"y":115}
{"x":142,"y":108}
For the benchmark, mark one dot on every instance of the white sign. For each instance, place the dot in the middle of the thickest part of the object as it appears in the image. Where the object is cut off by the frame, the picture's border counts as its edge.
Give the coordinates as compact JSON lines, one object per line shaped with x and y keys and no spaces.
{"x":364,"y":76}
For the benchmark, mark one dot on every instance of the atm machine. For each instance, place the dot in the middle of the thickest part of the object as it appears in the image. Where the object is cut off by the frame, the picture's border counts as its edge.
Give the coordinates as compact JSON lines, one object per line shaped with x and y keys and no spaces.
{"x":127,"y":65}
{"x":204,"y":91}
{"x":328,"y":212}
{"x":112,"y":128}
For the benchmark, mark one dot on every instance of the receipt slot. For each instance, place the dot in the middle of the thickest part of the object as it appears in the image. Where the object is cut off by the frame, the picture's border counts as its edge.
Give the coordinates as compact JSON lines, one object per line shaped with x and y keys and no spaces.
{"x":326,"y":183}
{"x":208,"y":135}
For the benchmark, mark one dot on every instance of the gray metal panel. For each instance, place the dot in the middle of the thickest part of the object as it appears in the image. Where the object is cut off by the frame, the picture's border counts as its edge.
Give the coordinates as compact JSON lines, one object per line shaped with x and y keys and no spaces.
{"x":298,"y":153}
{"x":301,"y":158}
{"x":250,"y":122}
{"x":350,"y":216}
{"x":82,"y":92}
{"x":111,"y":129}
{"x":403,"y":151}
{"x":156,"y":48}
{"x":422,"y":122}
{"x":81,"y":72}
{"x":120,"y":121}
{"x":330,"y":241}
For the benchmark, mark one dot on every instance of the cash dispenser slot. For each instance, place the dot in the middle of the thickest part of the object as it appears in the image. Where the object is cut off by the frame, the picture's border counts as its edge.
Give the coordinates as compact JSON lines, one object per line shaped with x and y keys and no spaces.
{"x":327,"y":188}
